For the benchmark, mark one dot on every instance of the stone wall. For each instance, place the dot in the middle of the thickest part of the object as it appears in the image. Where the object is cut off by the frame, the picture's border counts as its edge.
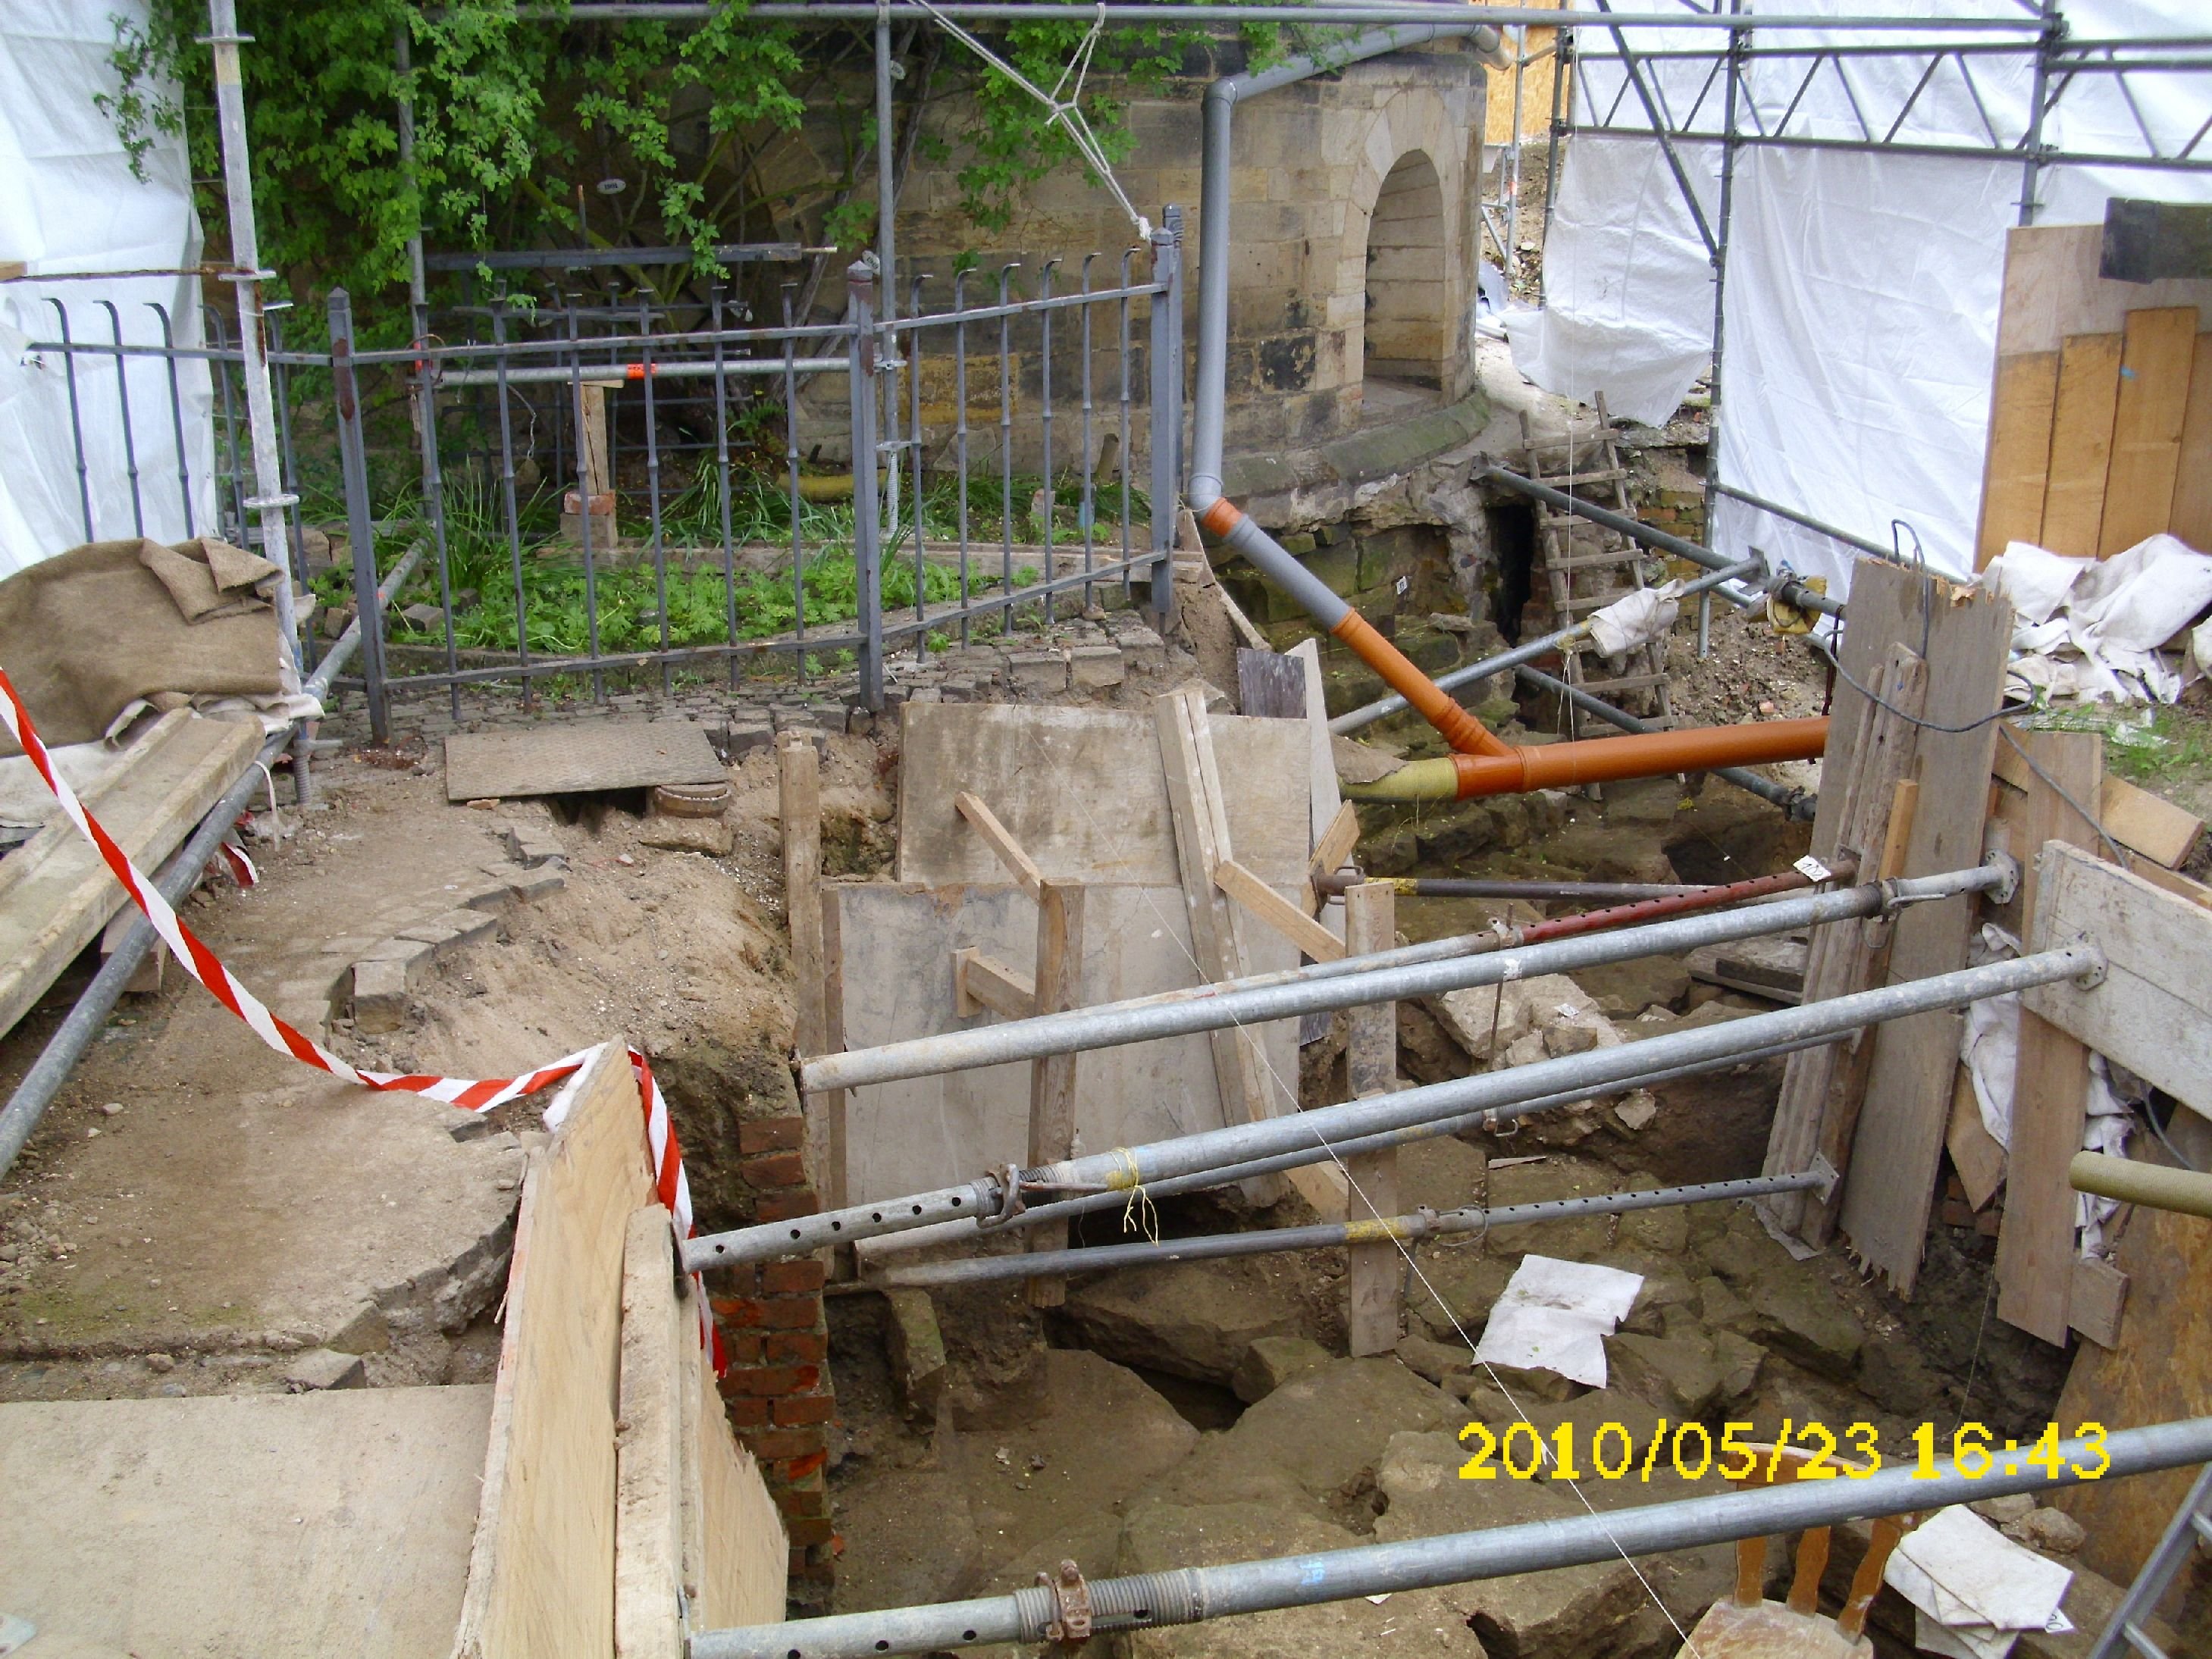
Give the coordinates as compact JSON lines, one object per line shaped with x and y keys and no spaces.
{"x":1354,"y":231}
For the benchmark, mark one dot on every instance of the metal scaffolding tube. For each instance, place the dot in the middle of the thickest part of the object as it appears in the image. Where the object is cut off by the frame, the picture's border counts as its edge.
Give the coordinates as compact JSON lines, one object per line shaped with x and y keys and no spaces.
{"x":1407,"y":1228}
{"x":1454,"y":964}
{"x":953,"y":1233}
{"x":1127,"y":1168}
{"x":1030,"y":11}
{"x":1382,"y":708}
{"x":1186,"y":1595}
{"x":78,"y":1030}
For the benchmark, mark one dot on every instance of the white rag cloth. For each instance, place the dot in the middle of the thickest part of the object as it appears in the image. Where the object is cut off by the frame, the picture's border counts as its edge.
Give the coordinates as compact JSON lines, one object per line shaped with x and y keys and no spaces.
{"x":1981,"y":1589}
{"x":1555,"y":1316}
{"x":1638,"y":619}
{"x":2093,"y":628}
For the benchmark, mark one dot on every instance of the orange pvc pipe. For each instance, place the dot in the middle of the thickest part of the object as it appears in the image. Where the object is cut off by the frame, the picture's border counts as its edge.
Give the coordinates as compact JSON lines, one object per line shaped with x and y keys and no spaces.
{"x":1645,"y":755}
{"x":1464,"y":733}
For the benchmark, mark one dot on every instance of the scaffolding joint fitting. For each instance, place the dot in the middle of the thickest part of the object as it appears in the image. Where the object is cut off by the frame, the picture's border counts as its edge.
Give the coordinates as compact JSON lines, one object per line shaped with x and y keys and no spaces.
{"x":1069,"y":1626}
{"x":1009,"y":1179}
{"x":2008,"y":876}
{"x":2094,"y":970}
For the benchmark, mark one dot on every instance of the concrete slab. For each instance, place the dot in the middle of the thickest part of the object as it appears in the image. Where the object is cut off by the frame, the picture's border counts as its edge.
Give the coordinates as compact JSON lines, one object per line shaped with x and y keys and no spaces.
{"x":558,"y":759}
{"x":272,"y":1524}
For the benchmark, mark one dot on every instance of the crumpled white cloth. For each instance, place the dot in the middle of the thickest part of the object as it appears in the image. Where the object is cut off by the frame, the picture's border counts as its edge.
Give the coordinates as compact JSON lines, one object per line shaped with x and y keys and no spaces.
{"x":1555,"y":1316}
{"x":1646,"y":615}
{"x":2095,"y":628}
{"x":1973,"y":1585}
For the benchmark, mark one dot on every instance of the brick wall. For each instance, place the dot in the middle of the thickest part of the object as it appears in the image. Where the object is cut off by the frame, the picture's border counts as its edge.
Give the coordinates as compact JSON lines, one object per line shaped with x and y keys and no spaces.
{"x":778,"y":1390}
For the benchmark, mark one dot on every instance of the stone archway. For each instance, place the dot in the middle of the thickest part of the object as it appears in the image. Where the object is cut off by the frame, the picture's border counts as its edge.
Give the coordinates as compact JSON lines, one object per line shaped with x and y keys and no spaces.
{"x":1409,"y":322}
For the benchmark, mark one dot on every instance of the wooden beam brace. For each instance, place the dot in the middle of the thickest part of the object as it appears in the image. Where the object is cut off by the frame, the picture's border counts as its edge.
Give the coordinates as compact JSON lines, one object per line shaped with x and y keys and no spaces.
{"x":983,"y":984}
{"x":1052,"y":1078}
{"x":1376,"y":1277}
{"x":1019,"y":865}
{"x":1279,"y":913}
{"x":1335,"y":847}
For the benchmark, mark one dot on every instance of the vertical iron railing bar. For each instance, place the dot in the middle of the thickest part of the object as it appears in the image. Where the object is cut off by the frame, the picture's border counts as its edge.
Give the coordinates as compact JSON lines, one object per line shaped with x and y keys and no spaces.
{"x":76,"y":418}
{"x":1044,"y":419}
{"x":361,"y":525}
{"x":1164,"y":429}
{"x":583,"y":492}
{"x":722,"y":484}
{"x":280,"y":371}
{"x":177,"y":422}
{"x":509,"y":510}
{"x":791,"y":472}
{"x":1122,"y":324}
{"x":913,"y":356}
{"x":1006,"y":447}
{"x":123,"y":405}
{"x":1087,"y":504}
{"x":960,"y":437}
{"x":434,"y":503}
{"x":653,"y":491}
{"x":1904,"y":110}
{"x":866,"y":371}
{"x":237,"y":474}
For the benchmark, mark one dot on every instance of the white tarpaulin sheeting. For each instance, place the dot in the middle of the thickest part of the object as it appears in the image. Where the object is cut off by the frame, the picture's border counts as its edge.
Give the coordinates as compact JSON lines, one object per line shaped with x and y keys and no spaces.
{"x":1863,"y":289}
{"x":68,"y":203}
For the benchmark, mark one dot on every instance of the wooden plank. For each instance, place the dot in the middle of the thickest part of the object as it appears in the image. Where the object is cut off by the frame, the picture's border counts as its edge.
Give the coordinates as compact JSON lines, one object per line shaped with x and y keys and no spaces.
{"x":747,"y":1556}
{"x":579,"y":758}
{"x":2081,"y":444}
{"x":798,"y":788}
{"x":542,"y":1565}
{"x":2181,"y":885}
{"x":2156,"y":364}
{"x":982,"y":983}
{"x":1249,"y":1089}
{"x":1269,"y":686}
{"x":2018,"y":464}
{"x":2099,"y":1297}
{"x":828,"y":1131}
{"x":1336,"y":844}
{"x":1018,"y":864}
{"x":1051,"y":1077}
{"x":2035,"y":1246}
{"x":2138,"y":820}
{"x":649,"y":1462}
{"x":1270,"y":908}
{"x":1375,"y":1274}
{"x":59,"y":898}
{"x":1083,"y":791}
{"x":2190,"y":515}
{"x":2154,"y":1012}
{"x":1977,"y":1154}
{"x":1908,"y":1090}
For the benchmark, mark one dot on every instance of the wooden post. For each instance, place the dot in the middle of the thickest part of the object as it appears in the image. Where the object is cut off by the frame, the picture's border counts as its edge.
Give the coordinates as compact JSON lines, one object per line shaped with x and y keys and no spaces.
{"x":800,"y":806}
{"x":1052,"y":1078}
{"x":1377,"y":1279}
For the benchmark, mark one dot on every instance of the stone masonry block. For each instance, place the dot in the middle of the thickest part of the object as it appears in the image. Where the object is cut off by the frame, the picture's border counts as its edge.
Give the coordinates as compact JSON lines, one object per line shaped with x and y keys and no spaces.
{"x":1097,"y":667}
{"x":1038,"y":672}
{"x":379,"y":995}
{"x":1143,"y":650}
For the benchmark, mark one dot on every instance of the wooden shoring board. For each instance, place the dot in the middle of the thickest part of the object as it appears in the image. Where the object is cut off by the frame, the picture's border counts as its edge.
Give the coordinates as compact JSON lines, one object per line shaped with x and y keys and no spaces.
{"x":2018,"y":464}
{"x":2080,"y":443}
{"x":1849,"y":820}
{"x":1967,"y":635}
{"x":1328,"y":819}
{"x":1082,"y":792}
{"x":542,"y":1565}
{"x":1058,"y":984}
{"x":2154,"y":376}
{"x":1375,"y":1274}
{"x":2140,"y":821}
{"x":576,"y":759}
{"x":56,"y":892}
{"x":2190,"y":515}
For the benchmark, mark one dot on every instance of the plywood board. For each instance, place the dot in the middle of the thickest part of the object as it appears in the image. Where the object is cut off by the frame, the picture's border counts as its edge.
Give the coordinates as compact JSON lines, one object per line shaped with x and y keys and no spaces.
{"x":542,"y":1565}
{"x":742,"y":1578}
{"x":2018,"y":463}
{"x":1081,"y":789}
{"x":2152,"y":1014}
{"x":898,"y":943}
{"x":1908,"y":1093}
{"x":2052,"y":288}
{"x":2192,"y":513}
{"x":2081,"y":444}
{"x":278,"y":1524}
{"x":2155,"y":378}
{"x":56,"y":891}
{"x":579,"y":758}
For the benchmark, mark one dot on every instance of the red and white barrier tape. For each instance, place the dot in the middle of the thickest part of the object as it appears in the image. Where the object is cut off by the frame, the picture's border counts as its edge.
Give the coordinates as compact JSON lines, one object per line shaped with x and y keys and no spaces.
{"x":242,"y":867}
{"x":475,"y":1094}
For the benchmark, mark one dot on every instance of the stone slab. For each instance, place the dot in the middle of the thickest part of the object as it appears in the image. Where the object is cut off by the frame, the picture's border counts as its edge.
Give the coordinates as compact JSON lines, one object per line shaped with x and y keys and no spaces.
{"x":272,"y":1524}
{"x":567,"y":758}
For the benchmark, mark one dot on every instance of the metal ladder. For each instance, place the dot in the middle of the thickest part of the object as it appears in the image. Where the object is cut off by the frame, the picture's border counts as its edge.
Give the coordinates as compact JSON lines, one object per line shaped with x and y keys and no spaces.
{"x":2191,"y":1524}
{"x":1610,"y":553}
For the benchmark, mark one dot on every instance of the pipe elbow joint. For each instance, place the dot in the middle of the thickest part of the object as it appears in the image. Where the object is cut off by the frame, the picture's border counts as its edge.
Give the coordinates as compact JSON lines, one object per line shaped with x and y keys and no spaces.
{"x":1204,"y":491}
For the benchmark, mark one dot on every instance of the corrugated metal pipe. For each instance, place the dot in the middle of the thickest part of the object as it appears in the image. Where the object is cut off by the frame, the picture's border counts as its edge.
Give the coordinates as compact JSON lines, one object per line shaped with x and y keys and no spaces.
{"x":1187,"y":1595}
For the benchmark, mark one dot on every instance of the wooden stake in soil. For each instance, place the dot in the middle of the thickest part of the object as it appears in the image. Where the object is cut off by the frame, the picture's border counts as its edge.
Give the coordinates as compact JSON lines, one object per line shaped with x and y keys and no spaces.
{"x":799,"y":771}
{"x":1051,"y":1079}
{"x":1377,"y":1279}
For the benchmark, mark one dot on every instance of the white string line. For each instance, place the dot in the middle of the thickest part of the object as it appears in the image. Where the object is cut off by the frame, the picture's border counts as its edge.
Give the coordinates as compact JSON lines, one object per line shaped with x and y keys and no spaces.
{"x":1065,"y":113}
{"x":1250,"y":1037}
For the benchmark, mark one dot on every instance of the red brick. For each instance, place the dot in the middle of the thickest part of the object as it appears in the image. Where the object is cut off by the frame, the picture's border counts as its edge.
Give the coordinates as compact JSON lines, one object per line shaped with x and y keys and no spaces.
{"x":796,"y":1469}
{"x":774,"y":1380}
{"x":789,"y":1278}
{"x":784,"y":1206}
{"x":807,"y":1529}
{"x":737,"y":1312}
{"x":744,"y":1412}
{"x":792,"y":1313}
{"x":746,"y":1347}
{"x":804,"y":1408}
{"x":785,"y":1442}
{"x":740,"y":1280}
{"x":796,"y":1347}
{"x":771,"y":1134}
{"x":798,"y":1504}
{"x":774,"y":1170}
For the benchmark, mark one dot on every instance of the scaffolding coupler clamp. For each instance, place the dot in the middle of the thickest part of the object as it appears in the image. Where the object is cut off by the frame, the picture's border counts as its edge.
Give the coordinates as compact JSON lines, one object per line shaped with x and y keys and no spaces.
{"x":1069,"y":1628}
{"x":1009,"y":1177}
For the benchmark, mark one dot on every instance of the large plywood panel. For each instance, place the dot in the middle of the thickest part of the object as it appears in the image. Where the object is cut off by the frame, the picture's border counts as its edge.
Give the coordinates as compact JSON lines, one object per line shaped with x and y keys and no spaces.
{"x":281,"y":1525}
{"x":2080,"y":443}
{"x":2019,"y":461}
{"x":1082,"y":790}
{"x":542,"y":1566}
{"x":2154,"y":376}
{"x":2053,"y":289}
{"x":897,"y":983}
{"x":2191,"y":514}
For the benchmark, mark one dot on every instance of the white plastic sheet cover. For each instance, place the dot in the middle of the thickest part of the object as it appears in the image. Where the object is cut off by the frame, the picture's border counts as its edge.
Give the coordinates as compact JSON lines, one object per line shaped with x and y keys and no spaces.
{"x":1554,"y":1315}
{"x":70,"y":204}
{"x":1862,"y":289}
{"x":1974,"y":1589}
{"x":2092,"y":629}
